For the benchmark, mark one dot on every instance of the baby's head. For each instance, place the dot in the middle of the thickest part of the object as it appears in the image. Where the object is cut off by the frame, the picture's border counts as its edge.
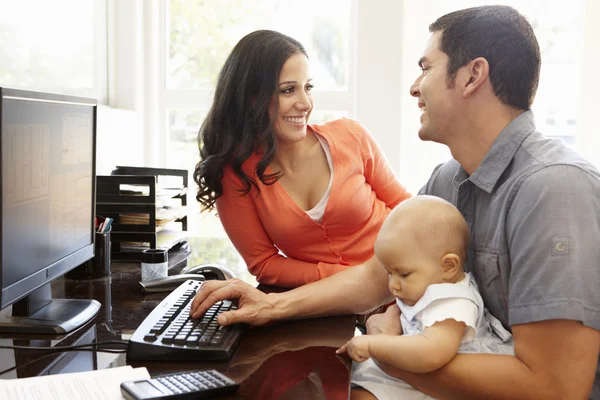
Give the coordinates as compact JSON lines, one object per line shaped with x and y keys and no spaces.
{"x":423,"y":241}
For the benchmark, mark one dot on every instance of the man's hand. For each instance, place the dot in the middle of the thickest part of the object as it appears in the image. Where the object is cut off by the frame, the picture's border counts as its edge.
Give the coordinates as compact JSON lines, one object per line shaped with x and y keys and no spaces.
{"x":387,"y":323}
{"x":357,"y":348}
{"x":254,"y":306}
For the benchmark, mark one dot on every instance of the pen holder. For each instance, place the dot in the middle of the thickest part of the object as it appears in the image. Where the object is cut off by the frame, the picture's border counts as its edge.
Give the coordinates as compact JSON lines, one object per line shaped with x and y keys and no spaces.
{"x":99,"y":265}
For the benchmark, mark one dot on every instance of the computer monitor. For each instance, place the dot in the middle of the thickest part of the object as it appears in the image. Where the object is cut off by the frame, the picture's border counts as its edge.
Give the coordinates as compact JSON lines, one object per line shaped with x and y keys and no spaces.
{"x":47,"y":195}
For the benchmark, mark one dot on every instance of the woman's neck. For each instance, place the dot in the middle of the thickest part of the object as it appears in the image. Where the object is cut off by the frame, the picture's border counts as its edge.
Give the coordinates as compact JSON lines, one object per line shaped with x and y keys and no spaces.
{"x":290,"y":155}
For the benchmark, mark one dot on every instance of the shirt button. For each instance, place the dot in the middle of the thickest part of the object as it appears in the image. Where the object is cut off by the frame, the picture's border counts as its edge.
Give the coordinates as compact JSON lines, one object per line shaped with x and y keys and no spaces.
{"x":328,"y":240}
{"x":559,"y":246}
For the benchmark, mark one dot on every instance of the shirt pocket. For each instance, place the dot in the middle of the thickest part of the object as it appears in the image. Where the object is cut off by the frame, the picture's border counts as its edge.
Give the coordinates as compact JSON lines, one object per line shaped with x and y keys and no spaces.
{"x":487,"y":266}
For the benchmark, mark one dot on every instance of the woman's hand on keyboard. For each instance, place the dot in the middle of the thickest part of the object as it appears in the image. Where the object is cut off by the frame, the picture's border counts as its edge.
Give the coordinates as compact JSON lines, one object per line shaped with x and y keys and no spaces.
{"x":254,"y":306}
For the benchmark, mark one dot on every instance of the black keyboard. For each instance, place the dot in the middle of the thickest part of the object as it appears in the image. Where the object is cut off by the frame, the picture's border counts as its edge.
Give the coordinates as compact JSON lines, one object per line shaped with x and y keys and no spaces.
{"x":168,"y":333}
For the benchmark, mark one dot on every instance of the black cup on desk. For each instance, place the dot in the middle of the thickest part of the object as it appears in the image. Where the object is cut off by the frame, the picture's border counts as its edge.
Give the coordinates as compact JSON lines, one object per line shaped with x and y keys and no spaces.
{"x":99,"y":265}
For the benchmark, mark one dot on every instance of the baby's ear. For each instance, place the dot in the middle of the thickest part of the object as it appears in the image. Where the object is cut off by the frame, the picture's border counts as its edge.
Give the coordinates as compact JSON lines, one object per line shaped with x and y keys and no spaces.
{"x":450,"y":264}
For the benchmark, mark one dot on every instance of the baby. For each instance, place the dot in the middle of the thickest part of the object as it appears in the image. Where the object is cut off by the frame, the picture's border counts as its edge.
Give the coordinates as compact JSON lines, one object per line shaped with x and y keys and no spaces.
{"x":423,"y":244}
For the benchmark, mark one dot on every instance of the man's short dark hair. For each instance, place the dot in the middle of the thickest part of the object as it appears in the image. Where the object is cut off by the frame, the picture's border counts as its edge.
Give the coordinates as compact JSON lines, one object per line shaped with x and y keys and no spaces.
{"x":504,"y":38}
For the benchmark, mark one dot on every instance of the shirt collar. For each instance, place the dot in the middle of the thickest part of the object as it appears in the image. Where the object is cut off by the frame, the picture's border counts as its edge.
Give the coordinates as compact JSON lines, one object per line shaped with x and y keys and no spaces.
{"x":500,"y":154}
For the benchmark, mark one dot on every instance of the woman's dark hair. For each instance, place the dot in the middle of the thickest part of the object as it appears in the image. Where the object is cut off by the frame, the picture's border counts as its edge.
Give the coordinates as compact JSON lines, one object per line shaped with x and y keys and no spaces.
{"x":238,"y":121}
{"x":504,"y":38}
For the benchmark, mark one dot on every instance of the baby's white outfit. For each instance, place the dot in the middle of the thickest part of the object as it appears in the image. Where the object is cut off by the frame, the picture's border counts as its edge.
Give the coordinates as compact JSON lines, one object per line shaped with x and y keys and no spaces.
{"x":459,"y":301}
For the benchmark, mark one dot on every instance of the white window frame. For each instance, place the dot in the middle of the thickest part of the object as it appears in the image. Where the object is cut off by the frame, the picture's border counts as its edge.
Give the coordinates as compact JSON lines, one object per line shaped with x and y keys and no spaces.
{"x":101,"y":51}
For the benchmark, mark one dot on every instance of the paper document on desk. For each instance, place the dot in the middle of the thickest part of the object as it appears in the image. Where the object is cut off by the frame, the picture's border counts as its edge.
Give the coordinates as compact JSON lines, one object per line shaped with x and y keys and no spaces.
{"x":101,"y":384}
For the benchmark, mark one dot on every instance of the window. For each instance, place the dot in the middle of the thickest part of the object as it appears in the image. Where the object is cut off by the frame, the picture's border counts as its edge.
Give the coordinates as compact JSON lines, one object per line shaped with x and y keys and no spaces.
{"x":55,"y":46}
{"x":196,"y":47}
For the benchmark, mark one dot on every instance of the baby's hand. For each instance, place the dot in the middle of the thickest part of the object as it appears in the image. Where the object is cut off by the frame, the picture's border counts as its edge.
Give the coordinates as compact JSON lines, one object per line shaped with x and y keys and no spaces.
{"x":357,"y":348}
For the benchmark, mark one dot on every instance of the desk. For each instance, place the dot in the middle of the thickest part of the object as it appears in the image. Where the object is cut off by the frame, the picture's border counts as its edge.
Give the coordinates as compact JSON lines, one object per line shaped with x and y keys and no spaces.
{"x":292,"y":360}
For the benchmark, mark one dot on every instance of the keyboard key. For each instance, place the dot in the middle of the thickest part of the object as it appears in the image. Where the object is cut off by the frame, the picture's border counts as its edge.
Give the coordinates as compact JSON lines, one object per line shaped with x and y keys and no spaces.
{"x":168,"y":339}
{"x":204,"y":340}
{"x":180,"y":339}
{"x":192,"y":340}
{"x":151,"y":337}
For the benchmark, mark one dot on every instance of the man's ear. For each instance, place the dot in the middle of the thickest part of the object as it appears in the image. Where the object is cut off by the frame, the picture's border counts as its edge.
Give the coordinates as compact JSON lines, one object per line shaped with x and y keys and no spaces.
{"x":450,"y":264}
{"x":477,"y":73}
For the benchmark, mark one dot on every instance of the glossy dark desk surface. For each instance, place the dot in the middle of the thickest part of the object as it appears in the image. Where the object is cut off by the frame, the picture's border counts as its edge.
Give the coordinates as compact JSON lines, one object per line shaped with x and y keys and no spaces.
{"x":288,"y":360}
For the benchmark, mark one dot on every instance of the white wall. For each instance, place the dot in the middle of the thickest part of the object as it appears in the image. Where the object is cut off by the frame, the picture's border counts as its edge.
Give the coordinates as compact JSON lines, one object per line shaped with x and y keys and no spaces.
{"x":378,"y":72}
{"x":391,"y":37}
{"x":417,"y":158}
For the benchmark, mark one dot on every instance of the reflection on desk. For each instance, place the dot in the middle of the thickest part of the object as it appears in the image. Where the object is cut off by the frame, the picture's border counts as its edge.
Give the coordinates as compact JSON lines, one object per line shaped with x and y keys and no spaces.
{"x":57,"y":363}
{"x":293,"y":359}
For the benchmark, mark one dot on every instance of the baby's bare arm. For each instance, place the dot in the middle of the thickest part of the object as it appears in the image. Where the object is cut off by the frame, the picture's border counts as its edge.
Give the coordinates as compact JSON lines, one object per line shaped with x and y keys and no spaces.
{"x":427,"y":352}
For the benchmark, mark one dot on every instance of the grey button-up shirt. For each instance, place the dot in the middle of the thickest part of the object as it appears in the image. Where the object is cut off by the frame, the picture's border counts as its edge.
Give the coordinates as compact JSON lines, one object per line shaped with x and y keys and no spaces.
{"x":533,"y":208}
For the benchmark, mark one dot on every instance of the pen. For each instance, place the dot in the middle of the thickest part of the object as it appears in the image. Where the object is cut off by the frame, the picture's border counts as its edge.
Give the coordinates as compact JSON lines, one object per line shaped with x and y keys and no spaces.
{"x":106,"y":225}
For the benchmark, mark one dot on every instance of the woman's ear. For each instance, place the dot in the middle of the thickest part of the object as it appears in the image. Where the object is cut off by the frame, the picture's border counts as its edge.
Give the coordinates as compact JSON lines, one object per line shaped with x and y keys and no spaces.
{"x":450,"y":264}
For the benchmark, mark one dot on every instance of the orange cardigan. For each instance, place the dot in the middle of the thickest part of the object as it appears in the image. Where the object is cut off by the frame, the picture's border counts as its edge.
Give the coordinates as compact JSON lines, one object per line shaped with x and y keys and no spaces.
{"x":363,"y":192}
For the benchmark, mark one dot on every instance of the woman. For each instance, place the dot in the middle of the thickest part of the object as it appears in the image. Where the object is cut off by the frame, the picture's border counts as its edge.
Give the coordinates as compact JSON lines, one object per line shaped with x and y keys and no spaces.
{"x":316,"y":193}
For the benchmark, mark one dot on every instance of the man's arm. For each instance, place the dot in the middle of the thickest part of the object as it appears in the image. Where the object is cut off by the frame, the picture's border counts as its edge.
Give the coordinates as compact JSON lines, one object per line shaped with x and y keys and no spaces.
{"x":555,"y":359}
{"x":355,"y":290}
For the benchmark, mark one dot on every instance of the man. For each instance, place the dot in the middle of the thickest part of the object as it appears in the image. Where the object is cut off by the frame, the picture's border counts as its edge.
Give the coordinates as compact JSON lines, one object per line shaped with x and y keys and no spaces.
{"x":532,"y":207}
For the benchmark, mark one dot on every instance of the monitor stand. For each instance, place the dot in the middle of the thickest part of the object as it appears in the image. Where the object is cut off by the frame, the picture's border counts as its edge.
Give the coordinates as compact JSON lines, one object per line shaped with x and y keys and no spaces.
{"x":40,"y":313}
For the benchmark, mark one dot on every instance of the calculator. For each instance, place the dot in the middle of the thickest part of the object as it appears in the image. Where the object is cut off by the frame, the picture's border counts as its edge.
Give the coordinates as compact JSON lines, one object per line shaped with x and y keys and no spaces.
{"x":180,"y":386}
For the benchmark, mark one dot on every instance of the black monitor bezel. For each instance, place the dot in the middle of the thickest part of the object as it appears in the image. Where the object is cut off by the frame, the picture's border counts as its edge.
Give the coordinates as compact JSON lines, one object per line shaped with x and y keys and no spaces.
{"x":25,"y":286}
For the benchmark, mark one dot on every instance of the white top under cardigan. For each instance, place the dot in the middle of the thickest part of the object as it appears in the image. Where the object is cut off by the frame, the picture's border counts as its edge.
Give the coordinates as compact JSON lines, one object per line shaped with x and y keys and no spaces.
{"x":316,"y":213}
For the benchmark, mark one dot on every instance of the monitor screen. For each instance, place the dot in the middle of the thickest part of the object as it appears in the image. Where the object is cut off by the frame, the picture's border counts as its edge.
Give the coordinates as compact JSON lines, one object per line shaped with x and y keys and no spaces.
{"x":47,"y":196}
